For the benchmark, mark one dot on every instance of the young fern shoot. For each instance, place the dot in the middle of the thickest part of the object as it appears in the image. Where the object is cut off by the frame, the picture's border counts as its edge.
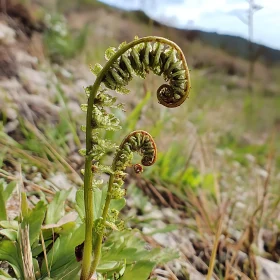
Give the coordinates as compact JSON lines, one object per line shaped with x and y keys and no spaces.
{"x":162,"y":57}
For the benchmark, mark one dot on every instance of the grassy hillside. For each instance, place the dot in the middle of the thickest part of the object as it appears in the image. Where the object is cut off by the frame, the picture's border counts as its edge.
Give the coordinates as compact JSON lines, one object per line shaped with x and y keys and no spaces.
{"x":236,"y":46}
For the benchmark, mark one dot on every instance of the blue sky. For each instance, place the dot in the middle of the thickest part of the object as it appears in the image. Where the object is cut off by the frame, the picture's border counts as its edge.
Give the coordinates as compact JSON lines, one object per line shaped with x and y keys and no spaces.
{"x":214,"y":15}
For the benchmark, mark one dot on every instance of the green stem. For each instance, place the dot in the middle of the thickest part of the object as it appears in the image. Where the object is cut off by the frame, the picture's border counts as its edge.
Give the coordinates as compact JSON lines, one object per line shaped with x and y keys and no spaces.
{"x":98,"y":244}
{"x":87,"y":270}
{"x":88,"y":198}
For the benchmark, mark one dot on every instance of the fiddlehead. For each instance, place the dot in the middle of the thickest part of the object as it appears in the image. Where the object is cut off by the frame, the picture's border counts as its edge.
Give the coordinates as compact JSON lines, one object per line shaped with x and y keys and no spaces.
{"x":156,"y":54}
{"x":159,"y":55}
{"x":137,"y":141}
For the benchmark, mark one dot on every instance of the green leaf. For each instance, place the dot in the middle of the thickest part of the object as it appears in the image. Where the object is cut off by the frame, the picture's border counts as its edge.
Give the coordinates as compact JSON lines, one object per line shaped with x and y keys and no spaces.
{"x":110,"y":52}
{"x":98,"y":202}
{"x":5,"y":193}
{"x":39,"y":248}
{"x":106,"y":100}
{"x":103,"y":119}
{"x":122,"y":45}
{"x":9,"y":190}
{"x":110,"y":266}
{"x":36,"y":267}
{"x":118,"y":204}
{"x":127,"y":247}
{"x":68,"y":271}
{"x":100,"y":147}
{"x":10,"y":252}
{"x":24,"y":206}
{"x":3,"y":212}
{"x":9,"y":224}
{"x":96,"y":69}
{"x":56,"y":208}
{"x":61,"y":258}
{"x":80,"y":205}
{"x":4,"y":275}
{"x":82,"y":152}
{"x":139,"y":271}
{"x":35,"y":219}
{"x":9,"y":233}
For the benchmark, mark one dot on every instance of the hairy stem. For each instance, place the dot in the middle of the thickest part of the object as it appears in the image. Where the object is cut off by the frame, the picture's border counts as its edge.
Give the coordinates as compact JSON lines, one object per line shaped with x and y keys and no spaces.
{"x":87,"y":268}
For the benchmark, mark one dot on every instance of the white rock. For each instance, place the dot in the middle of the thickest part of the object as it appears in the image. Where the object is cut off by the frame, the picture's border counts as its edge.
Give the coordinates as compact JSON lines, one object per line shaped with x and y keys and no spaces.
{"x":263,"y":173}
{"x":165,"y":240}
{"x":23,"y":58}
{"x":61,"y":181}
{"x":250,"y":158}
{"x":7,"y":34}
{"x":269,"y":270}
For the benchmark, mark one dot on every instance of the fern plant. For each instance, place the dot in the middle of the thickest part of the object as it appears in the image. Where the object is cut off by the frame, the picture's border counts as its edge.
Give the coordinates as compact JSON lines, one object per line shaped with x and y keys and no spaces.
{"x":38,"y":244}
{"x":162,"y":57}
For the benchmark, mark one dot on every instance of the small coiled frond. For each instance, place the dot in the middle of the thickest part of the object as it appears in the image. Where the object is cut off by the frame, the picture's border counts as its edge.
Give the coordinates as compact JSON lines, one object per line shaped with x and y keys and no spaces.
{"x":156,"y":54}
{"x":138,"y":141}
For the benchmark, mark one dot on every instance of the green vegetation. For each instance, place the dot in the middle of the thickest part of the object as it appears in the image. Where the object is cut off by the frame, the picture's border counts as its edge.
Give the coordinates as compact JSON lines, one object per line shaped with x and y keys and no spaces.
{"x":60,"y":42}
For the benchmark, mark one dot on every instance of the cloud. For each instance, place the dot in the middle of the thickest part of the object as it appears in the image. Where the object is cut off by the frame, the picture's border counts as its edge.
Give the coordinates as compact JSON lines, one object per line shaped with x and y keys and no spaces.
{"x":222,"y":16}
{"x":214,"y":15}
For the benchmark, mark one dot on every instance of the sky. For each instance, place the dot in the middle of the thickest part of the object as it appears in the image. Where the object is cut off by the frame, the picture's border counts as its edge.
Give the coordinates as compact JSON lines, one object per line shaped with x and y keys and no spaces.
{"x":221,"y":16}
